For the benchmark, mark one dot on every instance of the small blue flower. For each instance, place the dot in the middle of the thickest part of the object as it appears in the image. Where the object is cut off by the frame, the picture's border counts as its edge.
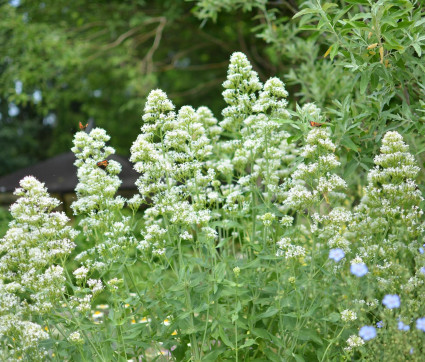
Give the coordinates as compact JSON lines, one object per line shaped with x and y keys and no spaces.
{"x":411,"y":350}
{"x":420,"y":324}
{"x":359,"y":269}
{"x":336,"y":254}
{"x":402,"y":326}
{"x":380,"y":324}
{"x":422,"y":270}
{"x":421,"y":250}
{"x":367,"y":332}
{"x":391,"y":301}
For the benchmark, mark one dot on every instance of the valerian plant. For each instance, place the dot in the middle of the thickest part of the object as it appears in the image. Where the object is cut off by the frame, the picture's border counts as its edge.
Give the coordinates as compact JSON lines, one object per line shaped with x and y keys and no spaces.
{"x":242,"y":243}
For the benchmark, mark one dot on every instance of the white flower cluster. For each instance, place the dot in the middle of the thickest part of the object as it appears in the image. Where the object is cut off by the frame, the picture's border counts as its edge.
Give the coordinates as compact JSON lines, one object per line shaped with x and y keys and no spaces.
{"x":254,"y":115}
{"x":75,"y":337}
{"x":388,"y":220}
{"x":240,"y":92}
{"x":97,"y":187}
{"x":30,"y":280}
{"x":348,"y":315}
{"x":267,"y":218}
{"x":333,"y":228}
{"x":314,"y":176}
{"x":210,"y":123}
{"x":97,"y":202}
{"x":392,"y":195}
{"x":310,"y":113}
{"x":353,"y":342}
{"x":290,"y":251}
{"x":149,"y":155}
{"x":171,"y":154}
{"x":264,"y":143}
{"x":25,"y":337}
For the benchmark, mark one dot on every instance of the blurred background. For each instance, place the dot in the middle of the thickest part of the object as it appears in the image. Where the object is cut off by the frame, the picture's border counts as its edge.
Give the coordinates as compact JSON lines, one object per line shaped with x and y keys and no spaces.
{"x":64,"y":62}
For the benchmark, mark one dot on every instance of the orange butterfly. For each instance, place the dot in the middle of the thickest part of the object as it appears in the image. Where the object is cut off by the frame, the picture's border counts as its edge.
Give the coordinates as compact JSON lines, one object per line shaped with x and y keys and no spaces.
{"x":315,"y":124}
{"x":83,"y":127}
{"x":102,"y":164}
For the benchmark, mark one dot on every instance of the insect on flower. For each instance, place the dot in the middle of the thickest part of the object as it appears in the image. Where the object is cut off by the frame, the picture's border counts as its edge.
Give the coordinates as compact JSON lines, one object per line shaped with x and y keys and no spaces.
{"x":82,"y":127}
{"x":102,"y":164}
{"x":315,"y":124}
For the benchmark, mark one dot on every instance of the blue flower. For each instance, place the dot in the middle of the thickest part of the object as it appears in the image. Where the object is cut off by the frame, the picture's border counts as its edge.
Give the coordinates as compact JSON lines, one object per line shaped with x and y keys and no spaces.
{"x":421,"y":250}
{"x":380,"y":324}
{"x":391,"y":301}
{"x":367,"y":332}
{"x":336,"y":254}
{"x":402,"y":326}
{"x":422,"y":270}
{"x":359,"y":269}
{"x":420,"y":324}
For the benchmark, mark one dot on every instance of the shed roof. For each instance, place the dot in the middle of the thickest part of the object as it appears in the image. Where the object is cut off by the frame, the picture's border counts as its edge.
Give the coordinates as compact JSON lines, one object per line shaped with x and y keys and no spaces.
{"x":60,"y":175}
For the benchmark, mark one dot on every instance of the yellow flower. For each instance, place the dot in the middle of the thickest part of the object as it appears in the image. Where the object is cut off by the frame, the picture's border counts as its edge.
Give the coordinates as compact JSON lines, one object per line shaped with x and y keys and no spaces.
{"x":144,"y":320}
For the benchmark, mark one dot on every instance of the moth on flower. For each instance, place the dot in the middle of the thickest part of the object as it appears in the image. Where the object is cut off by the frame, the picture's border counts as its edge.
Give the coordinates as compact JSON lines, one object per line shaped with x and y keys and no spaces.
{"x":102,"y":164}
{"x":315,"y":124}
{"x":83,"y":127}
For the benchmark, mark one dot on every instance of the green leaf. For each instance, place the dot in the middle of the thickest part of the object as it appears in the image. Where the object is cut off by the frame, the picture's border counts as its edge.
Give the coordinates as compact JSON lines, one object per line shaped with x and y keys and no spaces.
{"x":417,"y":49}
{"x":305,"y":11}
{"x":334,"y":51}
{"x":327,"y":6}
{"x":333,"y":317}
{"x":225,"y":338}
{"x":220,"y":271}
{"x":364,"y":81}
{"x":249,"y":342}
{"x":298,"y":358}
{"x":212,"y":356}
{"x":271,"y":355}
{"x":347,"y":142}
{"x":260,"y":332}
{"x":309,"y":335}
{"x":268,"y":313}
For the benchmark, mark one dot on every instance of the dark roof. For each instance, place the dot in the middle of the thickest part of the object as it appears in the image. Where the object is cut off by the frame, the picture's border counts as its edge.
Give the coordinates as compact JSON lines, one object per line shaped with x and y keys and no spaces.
{"x":60,"y":175}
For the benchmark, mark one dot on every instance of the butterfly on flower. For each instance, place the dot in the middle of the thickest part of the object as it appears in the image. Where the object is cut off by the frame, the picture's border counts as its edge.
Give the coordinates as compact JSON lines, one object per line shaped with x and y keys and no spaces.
{"x":315,"y":124}
{"x":82,"y":127}
{"x":102,"y":164}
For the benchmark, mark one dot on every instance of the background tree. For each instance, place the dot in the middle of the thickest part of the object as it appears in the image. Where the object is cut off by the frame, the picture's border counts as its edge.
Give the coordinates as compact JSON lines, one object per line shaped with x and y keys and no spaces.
{"x":63,"y":62}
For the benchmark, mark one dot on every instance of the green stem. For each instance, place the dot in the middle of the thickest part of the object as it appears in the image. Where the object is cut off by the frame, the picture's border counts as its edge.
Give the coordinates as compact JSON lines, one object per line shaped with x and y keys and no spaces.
{"x":327,"y":348}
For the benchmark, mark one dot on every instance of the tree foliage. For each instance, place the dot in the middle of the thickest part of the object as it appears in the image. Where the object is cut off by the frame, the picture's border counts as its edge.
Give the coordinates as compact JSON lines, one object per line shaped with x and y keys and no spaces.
{"x":63,"y":62}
